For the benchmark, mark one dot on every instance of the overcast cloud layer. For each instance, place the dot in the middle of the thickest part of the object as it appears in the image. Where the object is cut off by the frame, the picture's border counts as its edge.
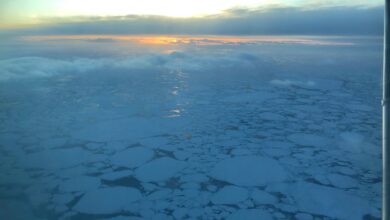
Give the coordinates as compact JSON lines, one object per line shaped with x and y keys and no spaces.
{"x":277,"y":21}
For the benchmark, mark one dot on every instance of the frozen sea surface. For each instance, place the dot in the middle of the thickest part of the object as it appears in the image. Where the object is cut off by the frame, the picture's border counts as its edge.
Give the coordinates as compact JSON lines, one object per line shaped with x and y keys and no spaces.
{"x":195,"y":129}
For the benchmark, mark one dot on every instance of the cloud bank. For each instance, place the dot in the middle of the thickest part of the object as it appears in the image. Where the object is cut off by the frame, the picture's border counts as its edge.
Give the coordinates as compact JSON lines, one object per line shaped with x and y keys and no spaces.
{"x":343,"y":20}
{"x":44,"y":62}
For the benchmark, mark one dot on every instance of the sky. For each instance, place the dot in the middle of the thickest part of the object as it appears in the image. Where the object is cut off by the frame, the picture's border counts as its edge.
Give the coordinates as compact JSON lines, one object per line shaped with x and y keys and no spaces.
{"x":232,"y":17}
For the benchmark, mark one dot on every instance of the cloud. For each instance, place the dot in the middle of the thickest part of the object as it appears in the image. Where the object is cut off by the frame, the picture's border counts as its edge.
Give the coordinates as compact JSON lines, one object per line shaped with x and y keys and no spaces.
{"x":21,"y":68}
{"x":342,"y":20}
{"x":33,"y":67}
{"x":72,"y":58}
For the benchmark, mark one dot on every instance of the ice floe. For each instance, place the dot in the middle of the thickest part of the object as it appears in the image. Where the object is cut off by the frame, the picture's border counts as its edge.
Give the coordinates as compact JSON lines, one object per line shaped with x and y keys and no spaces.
{"x":250,"y":214}
{"x":230,"y":195}
{"x":80,"y":184}
{"x":132,"y":157}
{"x":107,"y":200}
{"x":328,"y":201}
{"x":249,"y":171}
{"x":262,"y":197}
{"x":159,"y":169}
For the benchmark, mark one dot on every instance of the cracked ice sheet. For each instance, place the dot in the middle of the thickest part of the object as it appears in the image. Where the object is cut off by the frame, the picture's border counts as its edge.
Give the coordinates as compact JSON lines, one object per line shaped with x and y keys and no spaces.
{"x":182,"y":128}
{"x":159,"y":169}
{"x":323,"y":200}
{"x":249,"y":171}
{"x":107,"y":200}
{"x":132,"y":157}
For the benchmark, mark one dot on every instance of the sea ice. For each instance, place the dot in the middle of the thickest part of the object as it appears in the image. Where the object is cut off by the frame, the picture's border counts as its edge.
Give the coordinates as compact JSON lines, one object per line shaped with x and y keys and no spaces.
{"x":303,"y":216}
{"x":262,"y":197}
{"x":62,"y":199}
{"x":341,"y":181}
{"x":355,"y":143}
{"x":288,"y":82}
{"x":159,"y":169}
{"x":230,"y":195}
{"x":18,"y":210}
{"x":310,"y":140}
{"x":161,"y":216}
{"x":107,"y":200}
{"x":328,"y":201}
{"x":82,"y":183}
{"x":233,"y":113}
{"x":249,"y":171}
{"x":116,"y":175}
{"x":123,"y":218}
{"x":250,"y":214}
{"x":132,"y":157}
{"x":276,"y":152}
{"x":159,"y":194}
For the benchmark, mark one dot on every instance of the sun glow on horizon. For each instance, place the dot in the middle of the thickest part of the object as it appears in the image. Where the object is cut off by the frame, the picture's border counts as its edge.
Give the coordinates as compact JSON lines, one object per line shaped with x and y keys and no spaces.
{"x":28,"y":12}
{"x":32,"y":12}
{"x":169,"y":40}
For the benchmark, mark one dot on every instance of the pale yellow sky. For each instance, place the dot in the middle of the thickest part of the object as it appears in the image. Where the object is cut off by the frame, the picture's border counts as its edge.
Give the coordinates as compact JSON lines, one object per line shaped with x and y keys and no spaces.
{"x":25,"y":12}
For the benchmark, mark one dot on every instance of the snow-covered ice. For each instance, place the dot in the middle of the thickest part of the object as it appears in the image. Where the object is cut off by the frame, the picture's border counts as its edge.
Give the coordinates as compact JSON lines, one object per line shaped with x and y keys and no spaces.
{"x":132,"y":157}
{"x":107,"y":200}
{"x":159,"y":169}
{"x":122,"y":130}
{"x":262,"y":197}
{"x":327,"y":201}
{"x":80,"y":184}
{"x":250,"y":214}
{"x":230,"y":195}
{"x":249,"y":171}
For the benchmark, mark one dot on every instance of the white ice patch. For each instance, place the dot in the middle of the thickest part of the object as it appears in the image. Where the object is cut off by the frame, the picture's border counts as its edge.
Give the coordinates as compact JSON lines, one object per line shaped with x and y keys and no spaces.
{"x":322,"y":200}
{"x":230,"y":195}
{"x":132,"y":157}
{"x":77,"y":184}
{"x":107,"y":200}
{"x":249,"y":171}
{"x":324,"y":84}
{"x":352,"y":138}
{"x":250,"y":214}
{"x":262,"y":197}
{"x":341,"y":181}
{"x":159,"y":169}
{"x":355,"y":143}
